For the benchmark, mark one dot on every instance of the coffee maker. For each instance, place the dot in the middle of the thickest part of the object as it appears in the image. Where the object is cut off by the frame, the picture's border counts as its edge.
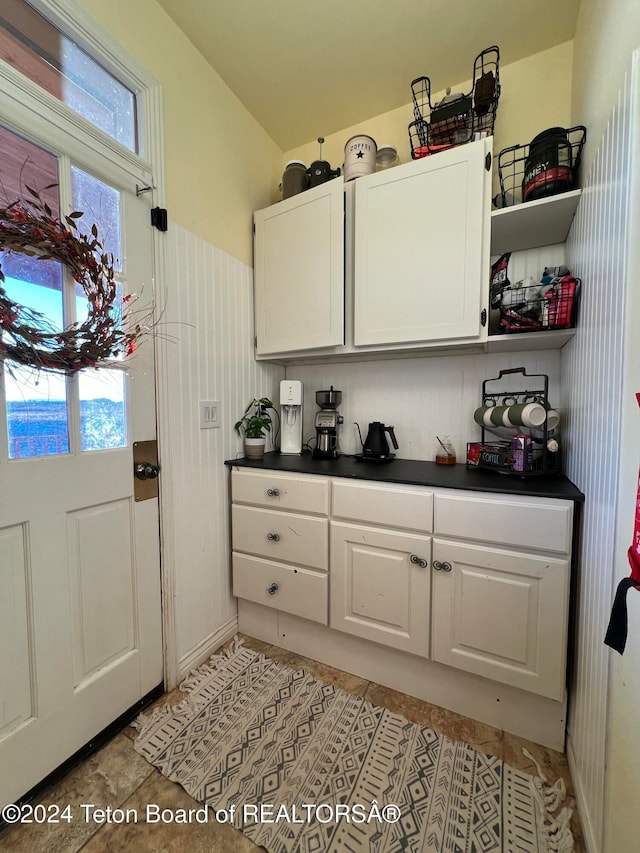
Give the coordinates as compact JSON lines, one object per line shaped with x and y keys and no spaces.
{"x":291,"y":417}
{"x":327,"y":422}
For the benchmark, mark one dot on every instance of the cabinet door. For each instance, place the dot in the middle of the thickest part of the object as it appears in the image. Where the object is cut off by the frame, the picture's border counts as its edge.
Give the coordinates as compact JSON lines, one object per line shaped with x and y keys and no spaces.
{"x":377,"y":591}
{"x":501,"y":614}
{"x":419,"y":247}
{"x":299,"y":271}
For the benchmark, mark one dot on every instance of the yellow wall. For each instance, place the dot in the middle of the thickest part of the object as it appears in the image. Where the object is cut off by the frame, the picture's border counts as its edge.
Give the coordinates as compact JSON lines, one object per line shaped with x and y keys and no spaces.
{"x":607,"y":33}
{"x":220,"y":164}
{"x":536,"y":94}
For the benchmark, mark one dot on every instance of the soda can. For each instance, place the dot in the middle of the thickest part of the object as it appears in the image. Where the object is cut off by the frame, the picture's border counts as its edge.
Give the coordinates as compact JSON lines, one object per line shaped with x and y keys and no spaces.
{"x":521,"y":447}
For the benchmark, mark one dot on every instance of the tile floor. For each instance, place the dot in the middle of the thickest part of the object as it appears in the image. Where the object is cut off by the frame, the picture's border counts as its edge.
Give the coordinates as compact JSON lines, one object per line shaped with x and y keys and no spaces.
{"x":118,"y":777}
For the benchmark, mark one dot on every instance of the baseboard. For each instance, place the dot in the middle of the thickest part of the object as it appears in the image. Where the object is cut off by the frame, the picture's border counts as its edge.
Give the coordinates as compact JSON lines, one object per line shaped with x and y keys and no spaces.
{"x":525,"y":714}
{"x":206,"y":647}
{"x":590,"y":843}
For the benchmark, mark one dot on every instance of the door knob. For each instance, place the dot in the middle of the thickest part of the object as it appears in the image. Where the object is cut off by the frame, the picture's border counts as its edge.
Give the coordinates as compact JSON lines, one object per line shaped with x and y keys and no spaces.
{"x":441,"y":567}
{"x":146,"y":470}
{"x":273,"y":537}
{"x":415,"y":559}
{"x":273,"y":493}
{"x":272,"y":588}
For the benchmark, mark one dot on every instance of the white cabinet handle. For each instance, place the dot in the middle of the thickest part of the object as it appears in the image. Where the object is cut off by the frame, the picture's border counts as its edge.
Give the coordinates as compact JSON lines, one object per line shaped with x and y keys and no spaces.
{"x":273,"y":493}
{"x":273,"y":537}
{"x":415,"y":559}
{"x":441,"y":567}
{"x":272,"y":588}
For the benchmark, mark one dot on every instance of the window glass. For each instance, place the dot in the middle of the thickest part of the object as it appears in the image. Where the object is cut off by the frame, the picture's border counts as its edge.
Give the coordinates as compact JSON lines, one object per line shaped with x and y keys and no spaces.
{"x":102,"y":392}
{"x":32,"y":45}
{"x":36,"y":403}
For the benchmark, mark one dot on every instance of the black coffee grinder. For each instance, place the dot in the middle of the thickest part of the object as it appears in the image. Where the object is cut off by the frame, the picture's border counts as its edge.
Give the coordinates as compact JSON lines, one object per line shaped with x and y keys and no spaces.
{"x":320,"y":171}
{"x":327,"y":423}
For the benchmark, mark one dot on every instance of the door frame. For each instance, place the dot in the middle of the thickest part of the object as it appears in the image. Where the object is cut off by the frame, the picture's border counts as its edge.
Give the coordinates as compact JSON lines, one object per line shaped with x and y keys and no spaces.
{"x":149,"y":170}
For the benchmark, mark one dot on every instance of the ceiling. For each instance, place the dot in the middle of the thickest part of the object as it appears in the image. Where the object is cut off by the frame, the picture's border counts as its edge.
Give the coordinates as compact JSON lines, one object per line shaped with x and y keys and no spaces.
{"x":307,"y":69}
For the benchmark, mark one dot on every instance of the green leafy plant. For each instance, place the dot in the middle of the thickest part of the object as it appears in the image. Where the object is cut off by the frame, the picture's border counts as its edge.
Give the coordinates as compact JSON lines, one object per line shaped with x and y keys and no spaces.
{"x":256,"y":420}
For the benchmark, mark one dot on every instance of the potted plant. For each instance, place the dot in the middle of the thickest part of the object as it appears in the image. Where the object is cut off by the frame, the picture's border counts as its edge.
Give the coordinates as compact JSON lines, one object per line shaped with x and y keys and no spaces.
{"x":254,"y":425}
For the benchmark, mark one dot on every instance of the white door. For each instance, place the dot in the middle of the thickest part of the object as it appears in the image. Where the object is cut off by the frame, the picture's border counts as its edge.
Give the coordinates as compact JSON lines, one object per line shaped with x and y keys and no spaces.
{"x":420,"y":238}
{"x":501,"y":614}
{"x":80,"y":617}
{"x":380,"y":585}
{"x":299,"y":271}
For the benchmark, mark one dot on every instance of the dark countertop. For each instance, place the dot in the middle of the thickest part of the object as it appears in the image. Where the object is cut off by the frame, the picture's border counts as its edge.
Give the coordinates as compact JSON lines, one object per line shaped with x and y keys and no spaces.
{"x":418,"y":473}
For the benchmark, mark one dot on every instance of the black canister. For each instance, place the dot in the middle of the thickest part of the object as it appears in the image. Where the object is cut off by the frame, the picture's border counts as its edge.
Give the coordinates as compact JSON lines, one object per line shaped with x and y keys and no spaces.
{"x":295,"y":178}
{"x":548,"y":167}
{"x":320,"y":172}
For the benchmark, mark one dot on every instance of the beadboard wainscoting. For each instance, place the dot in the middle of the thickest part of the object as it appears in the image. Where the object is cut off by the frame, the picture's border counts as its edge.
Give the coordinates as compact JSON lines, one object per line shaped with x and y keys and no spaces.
{"x":597,"y":369}
{"x":421,"y":397}
{"x":207,"y":353}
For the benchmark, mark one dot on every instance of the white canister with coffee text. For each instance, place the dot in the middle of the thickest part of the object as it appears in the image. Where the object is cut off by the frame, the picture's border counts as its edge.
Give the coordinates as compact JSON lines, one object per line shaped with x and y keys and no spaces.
{"x":359,"y":157}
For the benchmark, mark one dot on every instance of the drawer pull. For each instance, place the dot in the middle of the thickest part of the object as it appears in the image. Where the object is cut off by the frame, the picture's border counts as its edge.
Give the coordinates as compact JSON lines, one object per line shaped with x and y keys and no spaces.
{"x":273,"y":537}
{"x":273,"y":493}
{"x":415,"y":559}
{"x":272,"y":588}
{"x":441,"y":567}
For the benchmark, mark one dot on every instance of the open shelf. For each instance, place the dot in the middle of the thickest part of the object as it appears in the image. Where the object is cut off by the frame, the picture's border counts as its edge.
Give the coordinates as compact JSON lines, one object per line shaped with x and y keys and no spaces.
{"x":520,"y":342}
{"x":534,"y":223}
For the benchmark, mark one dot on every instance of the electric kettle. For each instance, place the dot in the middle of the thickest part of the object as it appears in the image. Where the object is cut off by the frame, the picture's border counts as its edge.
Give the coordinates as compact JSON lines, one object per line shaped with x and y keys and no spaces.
{"x":376,"y":446}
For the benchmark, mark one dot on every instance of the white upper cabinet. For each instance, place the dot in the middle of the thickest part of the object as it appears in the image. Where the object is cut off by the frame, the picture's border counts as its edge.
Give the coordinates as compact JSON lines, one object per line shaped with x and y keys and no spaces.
{"x":299,"y":271}
{"x":420,"y":249}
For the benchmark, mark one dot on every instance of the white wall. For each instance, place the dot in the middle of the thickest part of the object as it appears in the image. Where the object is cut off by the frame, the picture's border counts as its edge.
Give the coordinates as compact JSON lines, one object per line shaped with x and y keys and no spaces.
{"x":420,"y":397}
{"x":592,"y":373}
{"x":208,"y":350}
{"x":606,"y":771}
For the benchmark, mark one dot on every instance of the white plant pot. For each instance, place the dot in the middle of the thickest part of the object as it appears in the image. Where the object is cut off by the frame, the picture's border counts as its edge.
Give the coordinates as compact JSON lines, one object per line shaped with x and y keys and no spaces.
{"x":254,"y":447}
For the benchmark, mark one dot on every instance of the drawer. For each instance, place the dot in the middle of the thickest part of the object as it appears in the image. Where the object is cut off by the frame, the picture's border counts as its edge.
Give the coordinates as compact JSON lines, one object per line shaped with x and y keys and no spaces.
{"x":285,"y":536}
{"x":297,"y":591}
{"x":541,"y":524}
{"x":279,"y":491}
{"x":392,"y":506}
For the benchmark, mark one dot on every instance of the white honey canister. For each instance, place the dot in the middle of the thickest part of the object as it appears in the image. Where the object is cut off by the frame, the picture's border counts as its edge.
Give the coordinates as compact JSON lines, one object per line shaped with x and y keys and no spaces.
{"x":359,"y":157}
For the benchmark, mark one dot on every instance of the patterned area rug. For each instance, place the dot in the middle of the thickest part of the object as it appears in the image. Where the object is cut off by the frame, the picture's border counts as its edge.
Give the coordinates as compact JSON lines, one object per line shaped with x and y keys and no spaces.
{"x":301,"y":766}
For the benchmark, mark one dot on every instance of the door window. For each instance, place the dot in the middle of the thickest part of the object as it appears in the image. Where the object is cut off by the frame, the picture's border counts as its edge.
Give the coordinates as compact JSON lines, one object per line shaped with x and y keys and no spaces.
{"x":42,"y":407}
{"x":101,"y":392}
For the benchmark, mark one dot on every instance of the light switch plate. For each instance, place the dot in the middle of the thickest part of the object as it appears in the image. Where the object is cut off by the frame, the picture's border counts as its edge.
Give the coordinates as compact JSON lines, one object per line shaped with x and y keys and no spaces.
{"x":209,"y":414}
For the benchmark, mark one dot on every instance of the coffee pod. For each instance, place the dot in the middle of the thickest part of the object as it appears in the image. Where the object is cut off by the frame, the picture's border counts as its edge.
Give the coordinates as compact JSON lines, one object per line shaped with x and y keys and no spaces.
{"x":525,"y":414}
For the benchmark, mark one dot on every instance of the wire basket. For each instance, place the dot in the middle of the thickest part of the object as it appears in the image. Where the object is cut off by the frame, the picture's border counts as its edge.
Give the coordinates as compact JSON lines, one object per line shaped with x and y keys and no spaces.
{"x":516,"y":451}
{"x":459,"y":119}
{"x":539,"y":307}
{"x":548,"y":165}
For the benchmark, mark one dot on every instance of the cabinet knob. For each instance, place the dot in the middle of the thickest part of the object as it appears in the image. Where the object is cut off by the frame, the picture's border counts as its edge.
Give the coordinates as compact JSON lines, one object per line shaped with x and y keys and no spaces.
{"x":273,"y":493}
{"x":272,"y":588}
{"x":273,"y":537}
{"x":415,"y":559}
{"x":441,"y":567}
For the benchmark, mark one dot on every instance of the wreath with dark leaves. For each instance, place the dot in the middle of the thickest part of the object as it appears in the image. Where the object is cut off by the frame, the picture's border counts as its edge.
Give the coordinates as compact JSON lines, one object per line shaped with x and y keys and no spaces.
{"x":110,"y":330}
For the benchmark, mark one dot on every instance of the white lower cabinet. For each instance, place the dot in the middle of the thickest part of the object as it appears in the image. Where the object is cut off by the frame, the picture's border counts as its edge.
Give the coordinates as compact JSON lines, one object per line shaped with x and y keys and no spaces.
{"x":380,"y":585}
{"x":473,"y":581}
{"x":501,"y":614}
